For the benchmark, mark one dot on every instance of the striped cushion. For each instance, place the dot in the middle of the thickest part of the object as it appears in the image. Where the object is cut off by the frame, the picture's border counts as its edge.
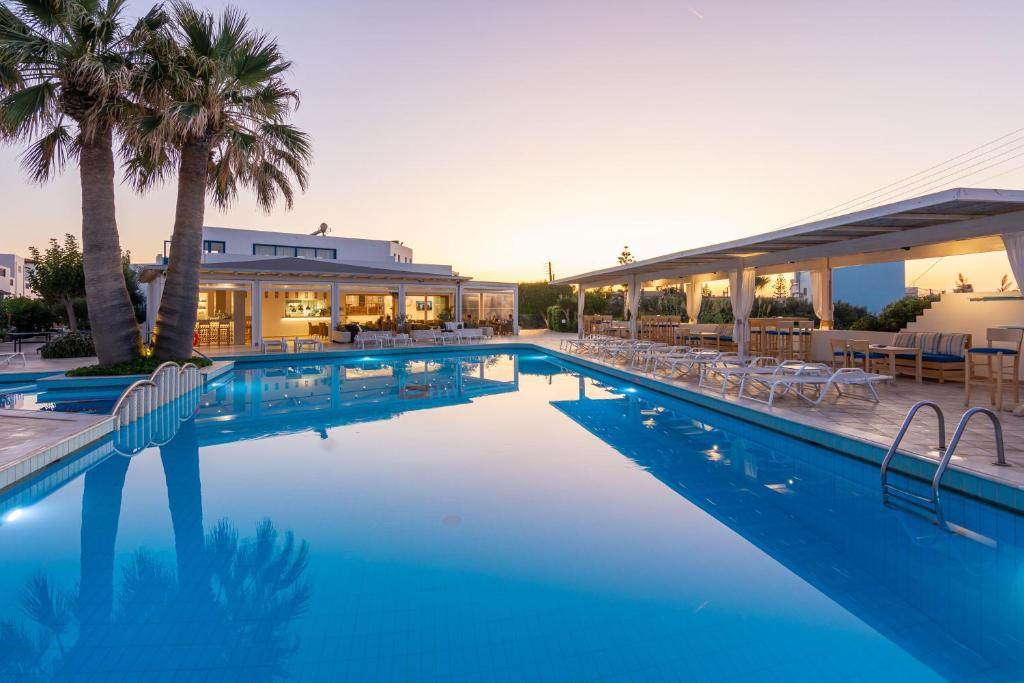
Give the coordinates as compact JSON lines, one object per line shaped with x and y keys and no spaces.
{"x":928,"y":341}
{"x":951,"y":344}
{"x":905,"y":339}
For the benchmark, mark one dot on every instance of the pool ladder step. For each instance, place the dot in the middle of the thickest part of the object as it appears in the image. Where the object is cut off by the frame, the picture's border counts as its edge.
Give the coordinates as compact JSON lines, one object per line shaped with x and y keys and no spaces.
{"x":945,"y":453}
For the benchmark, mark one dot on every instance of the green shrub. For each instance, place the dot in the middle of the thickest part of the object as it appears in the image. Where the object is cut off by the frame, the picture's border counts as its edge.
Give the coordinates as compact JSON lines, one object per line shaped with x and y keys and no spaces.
{"x":531,"y":321}
{"x":866,"y":323}
{"x":902,"y":312}
{"x":845,"y":315}
{"x":70,"y":345}
{"x":26,"y":315}
{"x":142,"y":366}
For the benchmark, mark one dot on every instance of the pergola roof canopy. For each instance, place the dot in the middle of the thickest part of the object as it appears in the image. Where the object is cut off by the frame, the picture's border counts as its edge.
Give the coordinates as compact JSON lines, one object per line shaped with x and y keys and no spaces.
{"x":974,"y":216}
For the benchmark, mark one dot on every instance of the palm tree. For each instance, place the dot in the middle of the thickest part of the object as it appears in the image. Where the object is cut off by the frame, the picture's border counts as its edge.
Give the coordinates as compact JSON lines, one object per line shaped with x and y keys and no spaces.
{"x":64,"y":69}
{"x":218,"y":110}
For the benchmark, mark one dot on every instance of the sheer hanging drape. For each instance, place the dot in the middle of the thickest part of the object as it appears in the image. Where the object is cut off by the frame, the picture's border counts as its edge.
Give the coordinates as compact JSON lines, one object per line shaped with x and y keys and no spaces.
{"x":821,"y":297}
{"x":741,"y":295}
{"x":694,"y":297}
{"x":1014,"y":243}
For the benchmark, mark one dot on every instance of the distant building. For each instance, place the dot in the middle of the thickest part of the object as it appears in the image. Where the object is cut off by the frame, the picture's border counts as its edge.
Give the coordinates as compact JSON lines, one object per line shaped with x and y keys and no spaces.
{"x":221,"y":244}
{"x":256,"y":285}
{"x":14,"y":272}
{"x":873,"y":285}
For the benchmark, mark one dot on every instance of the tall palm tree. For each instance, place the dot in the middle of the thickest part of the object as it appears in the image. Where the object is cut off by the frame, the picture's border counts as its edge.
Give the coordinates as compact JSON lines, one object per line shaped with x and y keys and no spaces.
{"x":218,"y":116}
{"x":64,"y":69}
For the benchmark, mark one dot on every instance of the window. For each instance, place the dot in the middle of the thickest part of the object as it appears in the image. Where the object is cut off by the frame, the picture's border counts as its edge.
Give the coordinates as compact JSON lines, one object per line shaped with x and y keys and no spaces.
{"x":304,"y":252}
{"x":213,"y":247}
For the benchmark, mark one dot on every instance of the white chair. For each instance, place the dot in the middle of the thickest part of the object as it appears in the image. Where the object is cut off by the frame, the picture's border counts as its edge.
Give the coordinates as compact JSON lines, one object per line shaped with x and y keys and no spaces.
{"x":276,"y":343}
{"x":312,"y":344}
{"x":401,"y":340}
{"x":372,"y":338}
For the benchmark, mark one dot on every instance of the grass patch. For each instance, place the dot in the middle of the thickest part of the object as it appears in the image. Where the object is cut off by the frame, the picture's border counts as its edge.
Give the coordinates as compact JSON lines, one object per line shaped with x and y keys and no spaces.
{"x":142,"y":366}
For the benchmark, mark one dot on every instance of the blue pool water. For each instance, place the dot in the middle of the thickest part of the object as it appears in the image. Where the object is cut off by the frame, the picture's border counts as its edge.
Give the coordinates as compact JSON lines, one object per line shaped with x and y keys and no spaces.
{"x":490,"y":517}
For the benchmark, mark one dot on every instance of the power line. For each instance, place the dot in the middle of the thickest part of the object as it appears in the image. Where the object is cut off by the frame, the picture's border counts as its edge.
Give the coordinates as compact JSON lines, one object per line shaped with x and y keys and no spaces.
{"x":872,"y":195}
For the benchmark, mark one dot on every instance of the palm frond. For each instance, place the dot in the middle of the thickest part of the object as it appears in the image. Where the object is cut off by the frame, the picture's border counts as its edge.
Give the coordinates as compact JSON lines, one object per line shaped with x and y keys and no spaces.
{"x":49,"y":154}
{"x":25,"y":111}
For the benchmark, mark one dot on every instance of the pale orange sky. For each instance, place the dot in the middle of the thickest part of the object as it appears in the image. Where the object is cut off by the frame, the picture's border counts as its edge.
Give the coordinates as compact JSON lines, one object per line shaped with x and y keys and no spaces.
{"x":499,"y":135}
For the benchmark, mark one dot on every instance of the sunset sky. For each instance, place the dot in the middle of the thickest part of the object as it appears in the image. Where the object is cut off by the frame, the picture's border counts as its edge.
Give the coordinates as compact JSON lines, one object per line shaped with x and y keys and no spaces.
{"x":497,"y":136}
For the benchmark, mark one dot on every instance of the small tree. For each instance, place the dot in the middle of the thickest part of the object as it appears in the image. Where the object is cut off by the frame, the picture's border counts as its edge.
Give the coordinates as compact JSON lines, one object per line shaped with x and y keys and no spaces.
{"x":626,"y":256}
{"x":781,"y":288}
{"x":1006,"y":284}
{"x":59,"y":276}
{"x":962,"y":285}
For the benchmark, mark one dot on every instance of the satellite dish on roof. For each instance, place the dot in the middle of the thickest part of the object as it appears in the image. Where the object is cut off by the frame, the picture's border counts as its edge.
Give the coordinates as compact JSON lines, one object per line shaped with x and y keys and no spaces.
{"x":322,"y":230}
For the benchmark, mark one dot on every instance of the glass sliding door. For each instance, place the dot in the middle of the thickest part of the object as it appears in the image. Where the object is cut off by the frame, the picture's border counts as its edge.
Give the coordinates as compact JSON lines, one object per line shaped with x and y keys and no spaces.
{"x":224,"y":316}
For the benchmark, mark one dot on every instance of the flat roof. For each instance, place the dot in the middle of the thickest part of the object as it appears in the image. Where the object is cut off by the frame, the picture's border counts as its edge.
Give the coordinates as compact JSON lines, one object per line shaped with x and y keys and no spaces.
{"x":940,"y":217}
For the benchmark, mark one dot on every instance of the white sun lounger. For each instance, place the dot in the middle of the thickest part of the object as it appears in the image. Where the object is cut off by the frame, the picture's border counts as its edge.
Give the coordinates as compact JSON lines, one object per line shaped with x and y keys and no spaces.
{"x":732,"y":367}
{"x":809,"y":376}
{"x":6,"y":358}
{"x":687,"y":362}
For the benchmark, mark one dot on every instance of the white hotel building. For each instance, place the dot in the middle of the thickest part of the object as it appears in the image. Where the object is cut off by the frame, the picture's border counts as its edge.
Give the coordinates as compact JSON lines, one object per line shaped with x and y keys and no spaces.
{"x":256,"y":284}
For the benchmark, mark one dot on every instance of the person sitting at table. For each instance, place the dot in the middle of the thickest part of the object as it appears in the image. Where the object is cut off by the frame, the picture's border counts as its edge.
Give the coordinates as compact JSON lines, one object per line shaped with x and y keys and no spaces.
{"x":353,"y":330}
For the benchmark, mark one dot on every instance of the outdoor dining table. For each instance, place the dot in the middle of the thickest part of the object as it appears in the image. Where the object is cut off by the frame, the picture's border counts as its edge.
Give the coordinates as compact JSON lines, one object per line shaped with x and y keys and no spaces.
{"x":19,"y":338}
{"x":893,"y":351}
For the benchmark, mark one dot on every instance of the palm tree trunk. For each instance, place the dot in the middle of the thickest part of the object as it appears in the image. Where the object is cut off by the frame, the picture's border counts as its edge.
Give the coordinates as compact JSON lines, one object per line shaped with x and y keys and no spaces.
{"x":111,"y":316}
{"x":176,"y":320}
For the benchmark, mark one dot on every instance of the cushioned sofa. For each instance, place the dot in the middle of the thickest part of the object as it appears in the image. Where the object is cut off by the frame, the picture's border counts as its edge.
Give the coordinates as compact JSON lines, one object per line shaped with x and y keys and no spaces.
{"x":943,"y":354}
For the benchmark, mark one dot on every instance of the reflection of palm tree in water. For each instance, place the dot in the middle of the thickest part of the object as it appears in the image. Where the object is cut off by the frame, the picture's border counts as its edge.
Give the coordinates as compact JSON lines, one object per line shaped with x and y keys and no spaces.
{"x":229,"y":603}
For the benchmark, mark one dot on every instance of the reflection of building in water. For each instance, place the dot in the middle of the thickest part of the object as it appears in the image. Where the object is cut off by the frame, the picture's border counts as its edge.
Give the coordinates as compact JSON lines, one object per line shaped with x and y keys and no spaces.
{"x":821,"y":516}
{"x":303,"y":397}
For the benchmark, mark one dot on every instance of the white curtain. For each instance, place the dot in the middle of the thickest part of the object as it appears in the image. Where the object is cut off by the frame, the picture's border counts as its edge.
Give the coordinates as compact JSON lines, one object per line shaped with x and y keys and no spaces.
{"x":633,"y":292}
{"x":1014,"y":243}
{"x":741,"y":296}
{"x":821,"y":296}
{"x":694,"y":297}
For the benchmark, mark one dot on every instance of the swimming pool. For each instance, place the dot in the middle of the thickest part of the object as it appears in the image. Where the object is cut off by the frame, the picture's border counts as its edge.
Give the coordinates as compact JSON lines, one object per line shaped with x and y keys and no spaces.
{"x":491,"y":517}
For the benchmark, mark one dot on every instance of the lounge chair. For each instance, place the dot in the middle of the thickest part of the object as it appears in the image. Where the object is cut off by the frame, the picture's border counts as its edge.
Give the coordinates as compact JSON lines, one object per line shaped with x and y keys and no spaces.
{"x":276,"y":343}
{"x":685,"y":363}
{"x":313,"y":344}
{"x":812,"y":375}
{"x":6,"y":358}
{"x":731,"y":367}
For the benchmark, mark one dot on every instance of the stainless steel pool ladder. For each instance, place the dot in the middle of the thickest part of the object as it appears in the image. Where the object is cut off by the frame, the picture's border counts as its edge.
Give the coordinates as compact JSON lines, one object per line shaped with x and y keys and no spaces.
{"x":945,"y":453}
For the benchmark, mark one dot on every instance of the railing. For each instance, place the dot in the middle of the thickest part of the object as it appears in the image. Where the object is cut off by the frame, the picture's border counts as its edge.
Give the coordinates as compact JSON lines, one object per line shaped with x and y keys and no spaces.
{"x":167,"y":383}
{"x":157,"y":427}
{"x":945,"y":454}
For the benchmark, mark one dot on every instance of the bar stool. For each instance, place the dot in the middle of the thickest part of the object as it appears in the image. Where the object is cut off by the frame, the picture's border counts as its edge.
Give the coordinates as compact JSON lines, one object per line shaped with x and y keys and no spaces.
{"x":757,"y":340}
{"x":780,"y":339}
{"x":802,"y":338}
{"x":992,"y":360}
{"x":840,"y":352}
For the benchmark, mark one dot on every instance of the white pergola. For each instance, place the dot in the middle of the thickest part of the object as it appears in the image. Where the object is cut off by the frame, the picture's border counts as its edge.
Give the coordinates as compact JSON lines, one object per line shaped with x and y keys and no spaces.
{"x":948,"y":223}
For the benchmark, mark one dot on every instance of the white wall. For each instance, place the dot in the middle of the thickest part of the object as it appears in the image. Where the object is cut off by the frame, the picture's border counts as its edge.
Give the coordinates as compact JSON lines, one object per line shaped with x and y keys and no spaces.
{"x":12,"y":283}
{"x":241,"y":241}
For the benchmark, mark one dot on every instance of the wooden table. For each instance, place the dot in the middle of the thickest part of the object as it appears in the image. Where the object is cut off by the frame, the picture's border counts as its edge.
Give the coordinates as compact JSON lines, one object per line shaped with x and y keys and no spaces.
{"x":893,"y":351}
